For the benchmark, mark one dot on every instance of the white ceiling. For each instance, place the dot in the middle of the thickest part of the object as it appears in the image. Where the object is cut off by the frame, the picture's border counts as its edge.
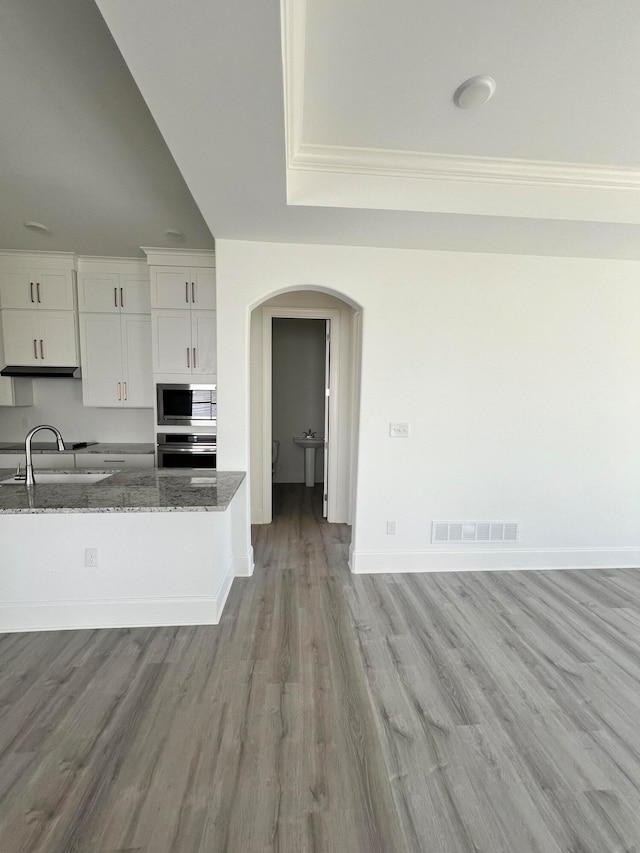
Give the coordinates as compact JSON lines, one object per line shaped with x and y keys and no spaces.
{"x":79,"y":150}
{"x":211,"y":73}
{"x":382,"y":75}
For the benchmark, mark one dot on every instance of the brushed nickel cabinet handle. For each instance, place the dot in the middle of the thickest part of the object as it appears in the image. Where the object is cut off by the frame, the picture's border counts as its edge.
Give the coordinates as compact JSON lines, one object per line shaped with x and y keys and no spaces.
{"x":188,"y":364}
{"x":121,"y":298}
{"x":41,"y":350}
{"x":32,"y":299}
{"x":194,"y":357}
{"x":193,"y":292}
{"x":124,"y":384}
{"x":186,"y":291}
{"x":35,"y":347}
{"x":119,"y":391}
{"x":115,"y":296}
{"x":38,"y":291}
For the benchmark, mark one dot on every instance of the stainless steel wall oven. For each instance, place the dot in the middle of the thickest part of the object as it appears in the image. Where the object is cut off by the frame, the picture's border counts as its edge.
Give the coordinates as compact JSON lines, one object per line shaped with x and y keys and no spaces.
{"x":186,"y":450}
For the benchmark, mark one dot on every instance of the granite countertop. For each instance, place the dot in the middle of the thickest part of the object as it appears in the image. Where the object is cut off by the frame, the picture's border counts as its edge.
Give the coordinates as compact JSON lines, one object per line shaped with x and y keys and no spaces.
{"x":102,"y":447}
{"x":129,"y":490}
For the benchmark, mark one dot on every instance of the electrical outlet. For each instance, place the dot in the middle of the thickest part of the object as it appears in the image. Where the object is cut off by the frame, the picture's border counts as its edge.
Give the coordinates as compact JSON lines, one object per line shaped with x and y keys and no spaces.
{"x":391,"y":528}
{"x":91,"y":558}
{"x":399,"y":430}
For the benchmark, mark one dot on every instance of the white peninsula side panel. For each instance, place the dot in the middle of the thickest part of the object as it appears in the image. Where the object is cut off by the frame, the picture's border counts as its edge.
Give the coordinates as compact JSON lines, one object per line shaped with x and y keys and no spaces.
{"x":154,"y":568}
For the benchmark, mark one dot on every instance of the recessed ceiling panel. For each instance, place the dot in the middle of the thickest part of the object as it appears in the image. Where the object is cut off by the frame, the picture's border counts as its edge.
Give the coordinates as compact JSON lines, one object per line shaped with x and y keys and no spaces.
{"x":382,"y":75}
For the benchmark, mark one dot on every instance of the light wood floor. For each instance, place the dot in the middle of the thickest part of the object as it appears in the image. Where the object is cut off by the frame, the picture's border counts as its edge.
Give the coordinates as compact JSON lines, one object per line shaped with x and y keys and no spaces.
{"x":328,"y":712}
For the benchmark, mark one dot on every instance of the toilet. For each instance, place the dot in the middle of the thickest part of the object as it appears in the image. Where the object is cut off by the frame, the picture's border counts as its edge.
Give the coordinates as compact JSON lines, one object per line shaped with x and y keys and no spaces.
{"x":275,"y":450}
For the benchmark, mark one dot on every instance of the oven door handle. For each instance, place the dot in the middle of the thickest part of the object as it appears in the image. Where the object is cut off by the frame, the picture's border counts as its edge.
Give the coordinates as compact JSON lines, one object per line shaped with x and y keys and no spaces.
{"x":176,"y":448}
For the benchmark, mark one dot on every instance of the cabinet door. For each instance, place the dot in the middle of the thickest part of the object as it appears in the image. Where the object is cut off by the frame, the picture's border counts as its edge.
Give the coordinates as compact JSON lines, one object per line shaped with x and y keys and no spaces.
{"x":20,"y":331}
{"x":203,"y":288}
{"x":57,"y":344}
{"x":172,"y":341}
{"x":54,"y":290}
{"x":170,"y":287}
{"x":137,"y":369}
{"x":17,"y":290}
{"x":203,"y":331}
{"x":37,"y":289}
{"x":135,"y":296}
{"x":99,"y":292}
{"x":101,"y":360}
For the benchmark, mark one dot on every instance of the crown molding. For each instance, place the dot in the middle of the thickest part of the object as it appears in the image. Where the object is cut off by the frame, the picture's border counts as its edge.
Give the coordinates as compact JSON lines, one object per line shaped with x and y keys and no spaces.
{"x":179,"y":257}
{"x":450,"y":167}
{"x":351,"y":177}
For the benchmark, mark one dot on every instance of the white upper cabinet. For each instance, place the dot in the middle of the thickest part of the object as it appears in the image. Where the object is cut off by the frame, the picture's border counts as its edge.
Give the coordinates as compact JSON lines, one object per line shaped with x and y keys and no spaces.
{"x":203,"y":340}
{"x":137,"y":372}
{"x":52,"y":290}
{"x":188,"y":288}
{"x":38,"y":301}
{"x":184,"y":343}
{"x":45,"y":338}
{"x":116,"y":360}
{"x":113,"y":287}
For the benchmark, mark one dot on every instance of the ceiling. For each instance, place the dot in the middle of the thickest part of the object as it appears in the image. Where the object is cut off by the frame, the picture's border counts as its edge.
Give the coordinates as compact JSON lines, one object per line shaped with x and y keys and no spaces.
{"x":341,"y":132}
{"x":566,"y":77}
{"x":79,"y":150}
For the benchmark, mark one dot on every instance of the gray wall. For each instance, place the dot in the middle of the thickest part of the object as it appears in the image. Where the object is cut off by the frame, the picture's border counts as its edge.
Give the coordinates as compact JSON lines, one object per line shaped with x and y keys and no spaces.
{"x":298,"y":347}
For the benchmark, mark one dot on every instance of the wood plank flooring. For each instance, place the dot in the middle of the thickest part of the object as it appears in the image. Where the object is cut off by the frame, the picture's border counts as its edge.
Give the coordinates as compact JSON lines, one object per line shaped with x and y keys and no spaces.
{"x":332,"y":713}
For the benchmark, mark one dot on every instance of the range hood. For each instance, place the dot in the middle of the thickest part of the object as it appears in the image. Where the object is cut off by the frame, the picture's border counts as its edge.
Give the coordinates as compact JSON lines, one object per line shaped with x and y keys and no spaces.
{"x":35,"y":371}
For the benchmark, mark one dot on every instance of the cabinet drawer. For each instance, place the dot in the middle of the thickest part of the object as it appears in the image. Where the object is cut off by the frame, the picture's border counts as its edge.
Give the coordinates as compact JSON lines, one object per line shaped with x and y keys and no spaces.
{"x":114,"y":460}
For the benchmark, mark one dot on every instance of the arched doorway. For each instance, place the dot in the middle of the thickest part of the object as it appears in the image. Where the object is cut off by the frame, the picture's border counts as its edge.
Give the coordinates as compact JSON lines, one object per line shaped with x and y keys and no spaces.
{"x":343,"y":375}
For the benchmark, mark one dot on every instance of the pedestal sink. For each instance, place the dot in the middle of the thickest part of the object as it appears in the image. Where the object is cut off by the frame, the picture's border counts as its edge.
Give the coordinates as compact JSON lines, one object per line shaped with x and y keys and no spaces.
{"x":309,"y":445}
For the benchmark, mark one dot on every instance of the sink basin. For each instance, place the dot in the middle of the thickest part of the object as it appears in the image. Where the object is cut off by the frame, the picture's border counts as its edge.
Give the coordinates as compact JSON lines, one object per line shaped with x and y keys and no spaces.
{"x":309,"y":442}
{"x":64,"y":478}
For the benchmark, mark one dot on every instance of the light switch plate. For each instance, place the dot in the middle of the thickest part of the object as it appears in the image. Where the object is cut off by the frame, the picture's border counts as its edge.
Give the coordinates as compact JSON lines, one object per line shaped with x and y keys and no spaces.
{"x":399,"y":430}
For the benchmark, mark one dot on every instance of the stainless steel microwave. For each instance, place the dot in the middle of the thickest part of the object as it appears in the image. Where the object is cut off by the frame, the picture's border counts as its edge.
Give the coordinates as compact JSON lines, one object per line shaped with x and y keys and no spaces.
{"x":187,"y":405}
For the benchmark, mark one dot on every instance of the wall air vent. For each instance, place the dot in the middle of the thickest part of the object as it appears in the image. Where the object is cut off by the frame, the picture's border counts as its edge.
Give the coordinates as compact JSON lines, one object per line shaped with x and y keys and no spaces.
{"x":474,"y":531}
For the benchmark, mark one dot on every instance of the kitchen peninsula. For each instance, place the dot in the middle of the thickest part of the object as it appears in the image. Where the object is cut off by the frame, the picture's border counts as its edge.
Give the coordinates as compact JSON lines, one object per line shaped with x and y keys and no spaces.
{"x":166,"y":545}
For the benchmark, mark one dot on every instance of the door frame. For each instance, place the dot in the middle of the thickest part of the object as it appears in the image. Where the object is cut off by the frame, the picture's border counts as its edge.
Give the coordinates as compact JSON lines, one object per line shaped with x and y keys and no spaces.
{"x":333,"y":314}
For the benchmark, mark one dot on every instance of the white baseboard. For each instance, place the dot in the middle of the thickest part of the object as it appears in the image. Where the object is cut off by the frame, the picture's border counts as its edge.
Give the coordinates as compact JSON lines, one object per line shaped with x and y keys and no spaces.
{"x":224,"y":588}
{"x":491,"y":560}
{"x":243,"y":566}
{"x":114,"y":613}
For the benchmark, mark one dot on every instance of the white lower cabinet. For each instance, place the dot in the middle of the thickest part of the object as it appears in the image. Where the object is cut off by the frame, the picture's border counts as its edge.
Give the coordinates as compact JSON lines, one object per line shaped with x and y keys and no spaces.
{"x":184,"y":342}
{"x":116,"y":360}
{"x":45,"y":338}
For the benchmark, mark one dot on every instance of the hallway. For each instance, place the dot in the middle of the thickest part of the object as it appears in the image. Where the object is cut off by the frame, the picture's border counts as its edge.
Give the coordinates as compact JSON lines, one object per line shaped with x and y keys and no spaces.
{"x":445,"y":713}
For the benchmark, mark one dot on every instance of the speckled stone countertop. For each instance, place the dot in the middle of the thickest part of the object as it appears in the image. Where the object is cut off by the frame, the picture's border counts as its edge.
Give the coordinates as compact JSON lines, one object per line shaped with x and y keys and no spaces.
{"x":101,"y":447}
{"x":129,"y":490}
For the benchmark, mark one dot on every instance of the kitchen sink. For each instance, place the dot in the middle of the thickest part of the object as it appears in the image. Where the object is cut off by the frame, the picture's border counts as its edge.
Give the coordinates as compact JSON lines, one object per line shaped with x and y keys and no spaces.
{"x":61,"y":478}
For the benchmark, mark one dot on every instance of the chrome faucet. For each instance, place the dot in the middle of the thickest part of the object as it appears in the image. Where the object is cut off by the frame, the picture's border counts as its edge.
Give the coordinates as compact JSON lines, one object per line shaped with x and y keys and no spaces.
{"x":29,"y":479}
{"x":309,"y":433}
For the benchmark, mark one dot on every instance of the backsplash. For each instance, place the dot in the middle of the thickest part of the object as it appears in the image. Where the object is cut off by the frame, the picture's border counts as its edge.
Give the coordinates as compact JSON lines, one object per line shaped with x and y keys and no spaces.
{"x":59,"y":402}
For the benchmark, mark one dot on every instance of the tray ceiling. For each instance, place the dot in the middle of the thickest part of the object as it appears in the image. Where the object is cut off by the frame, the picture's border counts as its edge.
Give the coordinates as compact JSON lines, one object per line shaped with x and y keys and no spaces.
{"x":326,"y":122}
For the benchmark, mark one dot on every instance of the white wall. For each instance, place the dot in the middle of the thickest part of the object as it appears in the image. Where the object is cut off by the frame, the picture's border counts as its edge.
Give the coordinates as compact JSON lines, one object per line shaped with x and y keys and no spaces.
{"x":59,"y":402}
{"x":518,"y":375}
{"x":343,"y":445}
